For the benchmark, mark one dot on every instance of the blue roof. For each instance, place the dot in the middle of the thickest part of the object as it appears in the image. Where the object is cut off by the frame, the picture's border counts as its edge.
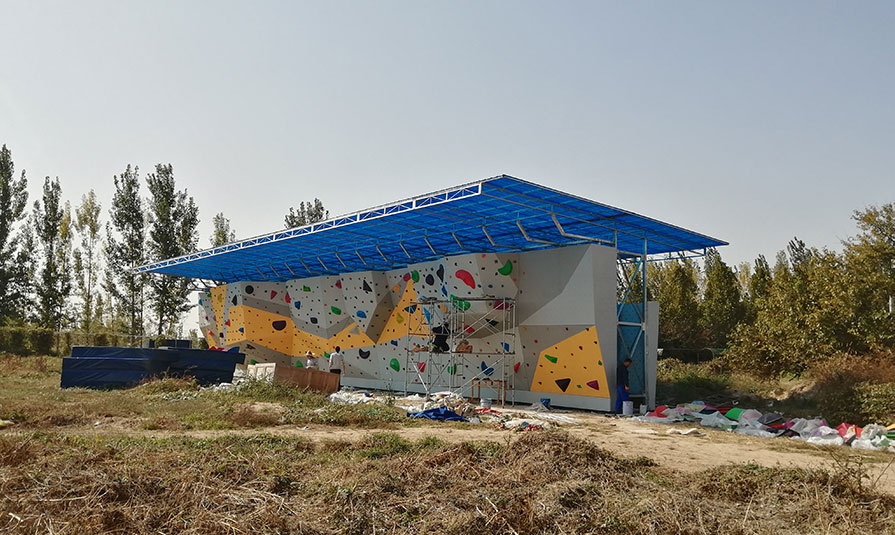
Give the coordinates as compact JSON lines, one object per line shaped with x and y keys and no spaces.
{"x":501,"y":214}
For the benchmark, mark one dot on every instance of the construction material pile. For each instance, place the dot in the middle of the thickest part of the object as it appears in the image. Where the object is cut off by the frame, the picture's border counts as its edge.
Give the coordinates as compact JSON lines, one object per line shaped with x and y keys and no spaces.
{"x":772,"y":425}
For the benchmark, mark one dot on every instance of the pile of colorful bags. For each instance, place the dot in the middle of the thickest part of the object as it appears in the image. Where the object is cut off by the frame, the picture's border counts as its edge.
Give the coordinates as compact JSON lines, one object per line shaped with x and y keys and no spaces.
{"x":771,"y":424}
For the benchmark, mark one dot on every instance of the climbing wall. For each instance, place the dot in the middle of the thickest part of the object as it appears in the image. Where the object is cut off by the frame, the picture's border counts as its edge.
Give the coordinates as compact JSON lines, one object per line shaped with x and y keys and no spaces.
{"x":565,"y":319}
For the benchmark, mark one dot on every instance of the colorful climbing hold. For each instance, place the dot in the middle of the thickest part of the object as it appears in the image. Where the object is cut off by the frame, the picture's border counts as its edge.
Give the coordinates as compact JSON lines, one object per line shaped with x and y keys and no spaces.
{"x":506,"y":269}
{"x":306,"y":288}
{"x":452,"y":369}
{"x":397,"y":288}
{"x":298,"y":305}
{"x":551,"y":359}
{"x":339,"y":284}
{"x":421,"y":366}
{"x":399,"y":318}
{"x":466,"y":277}
{"x":415,"y":275}
{"x":395,"y":365}
{"x":273,"y":293}
{"x":336,"y":310}
{"x":563,"y":384}
{"x":516,"y":367}
{"x":406,"y":277}
{"x":241,"y":329}
{"x":298,"y":364}
{"x":410,"y":309}
{"x":361,"y":314}
{"x":594,"y":384}
{"x":279,"y":325}
{"x":506,"y":347}
{"x":459,"y":303}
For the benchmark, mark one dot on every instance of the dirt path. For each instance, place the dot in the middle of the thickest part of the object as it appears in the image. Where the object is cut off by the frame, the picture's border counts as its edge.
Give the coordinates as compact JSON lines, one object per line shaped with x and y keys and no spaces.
{"x":620,"y":436}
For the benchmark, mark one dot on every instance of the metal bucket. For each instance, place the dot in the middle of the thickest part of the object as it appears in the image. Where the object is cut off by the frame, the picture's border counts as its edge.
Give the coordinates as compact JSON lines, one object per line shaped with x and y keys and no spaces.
{"x":628,"y":408}
{"x":486,"y":403}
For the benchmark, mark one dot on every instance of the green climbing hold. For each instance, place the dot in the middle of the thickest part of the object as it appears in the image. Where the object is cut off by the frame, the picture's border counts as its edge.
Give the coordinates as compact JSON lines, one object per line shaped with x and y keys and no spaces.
{"x":253,"y":361}
{"x":306,"y":288}
{"x":415,"y":275}
{"x":506,"y":269}
{"x":325,"y":355}
{"x":459,"y":303}
{"x":599,"y":363}
{"x":452,"y":369}
{"x":298,"y":364}
{"x":551,"y":359}
{"x":395,"y":365}
{"x":336,"y":310}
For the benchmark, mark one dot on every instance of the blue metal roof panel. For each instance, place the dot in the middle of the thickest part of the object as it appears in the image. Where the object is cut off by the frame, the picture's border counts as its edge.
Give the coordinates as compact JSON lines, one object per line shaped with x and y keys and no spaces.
{"x":500,"y":214}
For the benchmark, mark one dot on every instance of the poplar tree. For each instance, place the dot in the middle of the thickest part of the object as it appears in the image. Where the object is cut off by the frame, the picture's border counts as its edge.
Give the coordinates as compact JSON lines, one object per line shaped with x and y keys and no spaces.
{"x":52,"y":228}
{"x":86,"y":258}
{"x":307,"y":213}
{"x":721,"y":309}
{"x":14,"y":282}
{"x":174,"y":218}
{"x":222,"y":232}
{"x":125,"y":249}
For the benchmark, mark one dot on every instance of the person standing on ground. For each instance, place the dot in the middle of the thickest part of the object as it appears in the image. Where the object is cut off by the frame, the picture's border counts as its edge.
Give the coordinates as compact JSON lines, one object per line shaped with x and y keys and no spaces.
{"x":622,"y":386}
{"x":336,"y":361}
{"x":311,"y":362}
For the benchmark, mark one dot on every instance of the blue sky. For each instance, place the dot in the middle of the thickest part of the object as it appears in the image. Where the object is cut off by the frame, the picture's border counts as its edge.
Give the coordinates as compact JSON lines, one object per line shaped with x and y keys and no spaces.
{"x":752,"y":122}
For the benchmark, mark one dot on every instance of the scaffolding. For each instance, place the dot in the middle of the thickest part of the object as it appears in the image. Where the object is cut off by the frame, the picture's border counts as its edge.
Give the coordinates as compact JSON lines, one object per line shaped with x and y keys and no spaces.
{"x":448,"y":338}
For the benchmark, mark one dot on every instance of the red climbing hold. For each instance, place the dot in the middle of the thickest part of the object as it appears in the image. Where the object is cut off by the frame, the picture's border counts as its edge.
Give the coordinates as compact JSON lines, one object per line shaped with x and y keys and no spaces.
{"x":273,"y":293}
{"x":516,"y":367}
{"x":227,"y":323}
{"x":339,"y":284}
{"x":406,"y":277}
{"x":288,"y":299}
{"x":594,"y":384}
{"x":466,"y":277}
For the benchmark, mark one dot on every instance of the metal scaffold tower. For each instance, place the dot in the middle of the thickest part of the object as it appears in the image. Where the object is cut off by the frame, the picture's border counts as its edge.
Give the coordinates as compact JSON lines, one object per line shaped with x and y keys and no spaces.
{"x":461,"y":345}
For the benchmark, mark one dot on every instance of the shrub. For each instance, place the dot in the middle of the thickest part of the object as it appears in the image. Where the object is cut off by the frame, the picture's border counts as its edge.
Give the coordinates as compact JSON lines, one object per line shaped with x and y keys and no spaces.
{"x":26,"y":340}
{"x":858,"y":390}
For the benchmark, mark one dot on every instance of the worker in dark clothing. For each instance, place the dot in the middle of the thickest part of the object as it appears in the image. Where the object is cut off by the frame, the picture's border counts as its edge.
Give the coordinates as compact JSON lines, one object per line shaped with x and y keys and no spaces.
{"x":622,"y":385}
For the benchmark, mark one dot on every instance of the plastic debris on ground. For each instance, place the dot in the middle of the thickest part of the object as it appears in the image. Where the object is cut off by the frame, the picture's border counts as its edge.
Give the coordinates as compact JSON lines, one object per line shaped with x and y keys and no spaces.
{"x":690,"y":432}
{"x":361,"y":397}
{"x":525,"y":425}
{"x":751,"y":422}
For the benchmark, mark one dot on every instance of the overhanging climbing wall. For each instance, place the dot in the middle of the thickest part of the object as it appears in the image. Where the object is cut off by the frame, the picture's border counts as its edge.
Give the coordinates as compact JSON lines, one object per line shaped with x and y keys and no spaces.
{"x":565,"y":313}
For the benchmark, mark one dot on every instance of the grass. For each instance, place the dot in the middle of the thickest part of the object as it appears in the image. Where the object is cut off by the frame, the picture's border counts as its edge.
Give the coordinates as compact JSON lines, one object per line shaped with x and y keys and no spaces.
{"x":30,"y":396}
{"x":542,"y":483}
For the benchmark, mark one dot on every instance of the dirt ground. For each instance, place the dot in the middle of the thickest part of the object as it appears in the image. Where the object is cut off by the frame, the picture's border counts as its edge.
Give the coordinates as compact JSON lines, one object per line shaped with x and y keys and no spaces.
{"x":686,"y":453}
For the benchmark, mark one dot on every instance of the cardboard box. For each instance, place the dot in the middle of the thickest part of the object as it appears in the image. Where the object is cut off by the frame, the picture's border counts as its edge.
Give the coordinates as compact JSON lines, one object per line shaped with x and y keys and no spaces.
{"x":317,"y":380}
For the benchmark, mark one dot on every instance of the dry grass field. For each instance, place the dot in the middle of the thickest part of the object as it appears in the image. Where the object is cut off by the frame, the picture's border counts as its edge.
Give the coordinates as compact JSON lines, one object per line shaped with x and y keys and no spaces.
{"x":167,"y":457}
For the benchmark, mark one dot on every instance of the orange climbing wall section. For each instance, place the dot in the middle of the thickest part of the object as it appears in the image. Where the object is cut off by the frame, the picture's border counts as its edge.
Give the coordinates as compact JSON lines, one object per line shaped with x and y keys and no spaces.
{"x":396,"y":326}
{"x":279,"y":333}
{"x":218,"y":294}
{"x":573,"y":366}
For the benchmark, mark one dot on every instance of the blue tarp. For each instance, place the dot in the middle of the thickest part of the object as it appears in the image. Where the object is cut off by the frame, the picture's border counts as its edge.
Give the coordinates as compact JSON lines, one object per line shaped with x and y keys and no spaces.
{"x":441,"y":413}
{"x":110,"y":367}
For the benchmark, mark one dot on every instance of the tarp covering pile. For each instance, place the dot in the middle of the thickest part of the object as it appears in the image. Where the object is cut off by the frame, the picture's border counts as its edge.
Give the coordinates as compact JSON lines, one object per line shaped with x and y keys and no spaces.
{"x":770,"y":425}
{"x":114,"y":367}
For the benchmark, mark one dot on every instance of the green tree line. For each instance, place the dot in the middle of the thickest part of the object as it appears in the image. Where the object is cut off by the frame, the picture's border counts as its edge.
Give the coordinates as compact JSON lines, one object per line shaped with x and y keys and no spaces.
{"x":811,"y":304}
{"x":65,"y":268}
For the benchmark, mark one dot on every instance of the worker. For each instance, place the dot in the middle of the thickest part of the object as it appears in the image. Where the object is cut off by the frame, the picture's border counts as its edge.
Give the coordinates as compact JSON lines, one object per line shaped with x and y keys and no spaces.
{"x":336,"y":361}
{"x":622,"y":386}
{"x":311,"y":361}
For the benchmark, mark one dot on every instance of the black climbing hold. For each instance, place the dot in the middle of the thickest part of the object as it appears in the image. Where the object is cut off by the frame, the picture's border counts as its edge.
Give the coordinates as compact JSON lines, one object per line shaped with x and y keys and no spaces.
{"x":250,"y":289}
{"x":279,"y":325}
{"x":440,"y":272}
{"x":234,"y":300}
{"x":314,"y":321}
{"x":563,"y":384}
{"x":367,"y":287}
{"x":363,"y":354}
{"x":430,"y":280}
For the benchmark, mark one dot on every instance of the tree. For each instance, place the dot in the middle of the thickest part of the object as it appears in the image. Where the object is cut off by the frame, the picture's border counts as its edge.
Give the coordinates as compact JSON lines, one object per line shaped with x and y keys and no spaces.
{"x":125,"y":249}
{"x":307,"y":213}
{"x":174,"y":218}
{"x":52,"y":227}
{"x":721,"y":308}
{"x":678,"y":305}
{"x":222,"y":232}
{"x":86,"y":258}
{"x":14,"y":282}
